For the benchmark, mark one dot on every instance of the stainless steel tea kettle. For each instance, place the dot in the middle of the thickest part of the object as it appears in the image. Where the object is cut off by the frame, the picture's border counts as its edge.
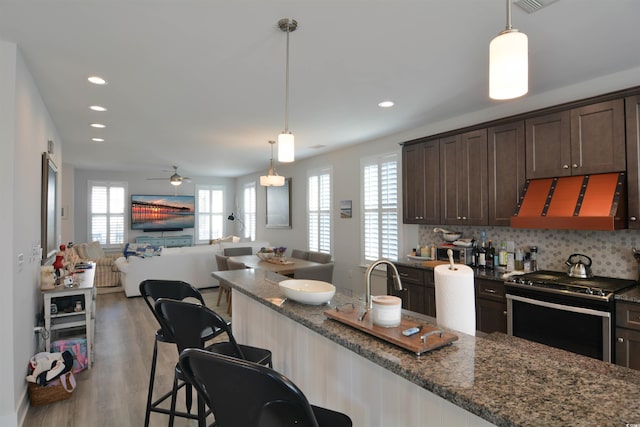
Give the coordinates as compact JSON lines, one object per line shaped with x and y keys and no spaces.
{"x":578,"y":268}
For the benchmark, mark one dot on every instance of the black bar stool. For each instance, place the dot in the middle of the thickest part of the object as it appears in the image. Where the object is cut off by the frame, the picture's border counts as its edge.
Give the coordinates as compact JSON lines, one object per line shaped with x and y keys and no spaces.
{"x":242,"y":393}
{"x":186,"y":323}
{"x":152,"y":290}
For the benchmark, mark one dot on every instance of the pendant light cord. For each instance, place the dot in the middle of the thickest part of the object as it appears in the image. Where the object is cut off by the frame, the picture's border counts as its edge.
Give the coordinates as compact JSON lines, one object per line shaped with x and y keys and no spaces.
{"x":286,"y":86}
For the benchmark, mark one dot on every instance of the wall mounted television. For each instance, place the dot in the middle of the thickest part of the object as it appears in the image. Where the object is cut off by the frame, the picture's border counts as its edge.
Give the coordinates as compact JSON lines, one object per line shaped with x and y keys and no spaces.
{"x":162,"y":213}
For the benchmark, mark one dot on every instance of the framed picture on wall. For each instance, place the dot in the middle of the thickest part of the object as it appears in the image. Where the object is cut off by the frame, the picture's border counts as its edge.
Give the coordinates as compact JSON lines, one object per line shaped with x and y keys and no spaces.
{"x":279,"y":206}
{"x":48,"y":225}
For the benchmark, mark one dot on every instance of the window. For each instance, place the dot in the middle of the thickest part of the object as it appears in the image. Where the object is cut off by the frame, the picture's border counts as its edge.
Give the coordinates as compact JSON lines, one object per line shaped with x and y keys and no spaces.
{"x":319,"y":207}
{"x":249,"y":204}
{"x":210,"y":212}
{"x":380,"y":208}
{"x":106,"y":212}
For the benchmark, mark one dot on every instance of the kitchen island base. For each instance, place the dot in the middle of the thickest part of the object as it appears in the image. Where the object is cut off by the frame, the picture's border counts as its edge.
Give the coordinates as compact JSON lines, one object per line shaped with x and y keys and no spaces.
{"x":334,"y":377}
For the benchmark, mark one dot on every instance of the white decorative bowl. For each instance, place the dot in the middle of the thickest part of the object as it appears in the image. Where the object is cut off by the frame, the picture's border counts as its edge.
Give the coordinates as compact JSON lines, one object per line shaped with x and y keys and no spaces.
{"x":312,"y":292}
{"x":265,"y":256}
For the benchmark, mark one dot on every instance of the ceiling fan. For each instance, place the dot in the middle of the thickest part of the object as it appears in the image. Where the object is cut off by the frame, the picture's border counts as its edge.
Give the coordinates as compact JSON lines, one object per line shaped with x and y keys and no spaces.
{"x":175,"y":179}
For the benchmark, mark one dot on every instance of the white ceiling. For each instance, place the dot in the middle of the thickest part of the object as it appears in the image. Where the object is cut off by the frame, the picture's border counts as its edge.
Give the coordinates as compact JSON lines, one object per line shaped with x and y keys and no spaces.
{"x":200,"y":84}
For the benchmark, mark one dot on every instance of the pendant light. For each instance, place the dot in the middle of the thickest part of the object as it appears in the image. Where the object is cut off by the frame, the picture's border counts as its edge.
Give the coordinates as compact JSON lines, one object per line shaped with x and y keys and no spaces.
{"x":286,"y":146}
{"x":508,"y":63}
{"x":272,"y":179}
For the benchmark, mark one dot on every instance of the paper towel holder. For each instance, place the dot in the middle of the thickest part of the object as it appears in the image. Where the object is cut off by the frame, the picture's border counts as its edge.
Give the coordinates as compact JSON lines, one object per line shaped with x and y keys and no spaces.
{"x":451,"y":265}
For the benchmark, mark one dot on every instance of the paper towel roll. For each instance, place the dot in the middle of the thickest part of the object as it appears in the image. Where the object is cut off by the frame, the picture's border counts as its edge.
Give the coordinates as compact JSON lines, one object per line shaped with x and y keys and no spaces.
{"x":455,"y":298}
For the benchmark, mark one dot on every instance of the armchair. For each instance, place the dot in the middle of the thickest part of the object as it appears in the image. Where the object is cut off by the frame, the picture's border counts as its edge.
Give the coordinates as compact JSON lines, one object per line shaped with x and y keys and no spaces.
{"x":107,"y":273}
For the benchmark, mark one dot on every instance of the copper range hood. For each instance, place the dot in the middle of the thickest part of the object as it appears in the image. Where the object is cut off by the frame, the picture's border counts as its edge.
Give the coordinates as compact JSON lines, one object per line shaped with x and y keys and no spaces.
{"x":586,"y":202}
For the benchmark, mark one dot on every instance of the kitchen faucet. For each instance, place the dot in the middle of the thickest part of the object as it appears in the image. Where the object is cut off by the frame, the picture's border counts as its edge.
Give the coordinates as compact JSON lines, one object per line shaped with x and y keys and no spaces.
{"x":367,"y":283}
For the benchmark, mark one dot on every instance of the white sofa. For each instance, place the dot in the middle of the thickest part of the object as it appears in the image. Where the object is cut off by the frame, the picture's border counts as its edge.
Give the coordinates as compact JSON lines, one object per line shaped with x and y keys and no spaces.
{"x":191,"y":264}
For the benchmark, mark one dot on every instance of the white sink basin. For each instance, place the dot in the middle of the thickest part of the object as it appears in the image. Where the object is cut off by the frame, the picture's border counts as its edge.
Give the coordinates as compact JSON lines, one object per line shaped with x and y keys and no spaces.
{"x":312,"y":292}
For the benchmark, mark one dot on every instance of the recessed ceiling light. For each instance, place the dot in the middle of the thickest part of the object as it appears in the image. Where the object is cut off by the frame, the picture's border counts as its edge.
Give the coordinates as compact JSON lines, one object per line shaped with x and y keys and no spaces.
{"x":97,"y":108}
{"x":97,"y":139}
{"x":386,"y":104}
{"x":97,"y":125}
{"x":97,"y":80}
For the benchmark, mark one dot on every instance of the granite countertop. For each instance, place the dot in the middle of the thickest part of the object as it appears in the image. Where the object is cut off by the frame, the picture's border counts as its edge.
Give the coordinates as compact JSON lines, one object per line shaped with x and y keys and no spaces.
{"x":505,"y":380}
{"x":488,"y":274}
{"x":629,"y":295}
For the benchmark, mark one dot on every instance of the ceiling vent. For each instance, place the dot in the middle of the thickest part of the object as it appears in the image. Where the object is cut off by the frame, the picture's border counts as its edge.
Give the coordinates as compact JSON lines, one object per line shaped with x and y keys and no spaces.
{"x":531,"y":6}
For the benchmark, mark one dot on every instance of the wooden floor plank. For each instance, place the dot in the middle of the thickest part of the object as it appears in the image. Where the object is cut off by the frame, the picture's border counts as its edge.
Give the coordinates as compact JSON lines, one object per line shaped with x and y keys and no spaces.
{"x":114,"y":392}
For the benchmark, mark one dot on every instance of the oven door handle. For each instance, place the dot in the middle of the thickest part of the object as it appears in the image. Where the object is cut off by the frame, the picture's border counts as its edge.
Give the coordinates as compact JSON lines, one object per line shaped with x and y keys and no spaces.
{"x":558,"y":306}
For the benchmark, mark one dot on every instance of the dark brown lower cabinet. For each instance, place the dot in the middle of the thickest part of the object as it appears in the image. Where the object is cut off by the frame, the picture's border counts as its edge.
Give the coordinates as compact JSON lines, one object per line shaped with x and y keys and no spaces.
{"x":491,"y":306}
{"x":628,"y":334}
{"x":418,"y":292}
{"x":628,"y":348}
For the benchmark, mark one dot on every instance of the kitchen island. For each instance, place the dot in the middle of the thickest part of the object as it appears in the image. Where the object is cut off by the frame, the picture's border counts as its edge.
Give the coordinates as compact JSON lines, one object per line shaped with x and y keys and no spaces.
{"x":475,"y":381}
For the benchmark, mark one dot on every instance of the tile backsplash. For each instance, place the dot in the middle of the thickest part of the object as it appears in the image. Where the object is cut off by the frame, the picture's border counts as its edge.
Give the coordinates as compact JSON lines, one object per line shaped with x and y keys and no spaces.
{"x":610,"y":250}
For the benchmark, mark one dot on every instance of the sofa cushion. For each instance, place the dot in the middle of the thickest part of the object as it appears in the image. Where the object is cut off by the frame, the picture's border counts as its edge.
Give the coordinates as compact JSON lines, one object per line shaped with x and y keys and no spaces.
{"x":94,"y":250}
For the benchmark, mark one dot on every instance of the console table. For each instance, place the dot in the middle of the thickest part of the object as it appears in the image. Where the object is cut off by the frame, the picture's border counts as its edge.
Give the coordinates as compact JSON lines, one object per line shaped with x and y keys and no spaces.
{"x":85,"y":291}
{"x":167,"y":242}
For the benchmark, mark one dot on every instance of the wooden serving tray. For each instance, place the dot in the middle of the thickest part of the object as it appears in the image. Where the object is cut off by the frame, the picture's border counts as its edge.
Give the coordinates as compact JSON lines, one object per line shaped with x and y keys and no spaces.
{"x":280,"y":262}
{"x":394,"y":334}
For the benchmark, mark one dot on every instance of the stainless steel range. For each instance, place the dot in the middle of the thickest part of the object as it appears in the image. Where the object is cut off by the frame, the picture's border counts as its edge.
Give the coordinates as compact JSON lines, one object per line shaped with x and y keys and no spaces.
{"x":571,"y":313}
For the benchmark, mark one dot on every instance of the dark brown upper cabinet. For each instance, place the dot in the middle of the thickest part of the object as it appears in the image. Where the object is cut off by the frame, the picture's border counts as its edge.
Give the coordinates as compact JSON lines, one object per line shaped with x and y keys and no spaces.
{"x":581,"y":141}
{"x":506,"y":170}
{"x":463,"y":175}
{"x":421,"y":183}
{"x":633,"y":160}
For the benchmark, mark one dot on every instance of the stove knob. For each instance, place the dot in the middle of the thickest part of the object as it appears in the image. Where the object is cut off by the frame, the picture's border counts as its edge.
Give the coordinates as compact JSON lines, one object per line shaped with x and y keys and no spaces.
{"x":600,"y":292}
{"x":589,"y":291}
{"x":530,"y":282}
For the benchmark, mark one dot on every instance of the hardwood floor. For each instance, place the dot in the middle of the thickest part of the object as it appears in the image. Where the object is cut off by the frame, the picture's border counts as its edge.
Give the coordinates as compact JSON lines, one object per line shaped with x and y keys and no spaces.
{"x":114,"y":392}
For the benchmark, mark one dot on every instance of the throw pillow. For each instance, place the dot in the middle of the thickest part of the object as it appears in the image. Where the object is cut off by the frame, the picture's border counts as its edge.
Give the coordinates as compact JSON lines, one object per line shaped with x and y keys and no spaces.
{"x":94,"y":250}
{"x":82,"y":250}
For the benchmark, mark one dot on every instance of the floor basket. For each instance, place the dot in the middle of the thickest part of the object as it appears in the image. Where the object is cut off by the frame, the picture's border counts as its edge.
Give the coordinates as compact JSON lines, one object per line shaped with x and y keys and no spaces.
{"x":52,"y":392}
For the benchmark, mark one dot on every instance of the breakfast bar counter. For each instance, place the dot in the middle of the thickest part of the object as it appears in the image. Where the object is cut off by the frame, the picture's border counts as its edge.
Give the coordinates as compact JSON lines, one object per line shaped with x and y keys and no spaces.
{"x":476,"y":381}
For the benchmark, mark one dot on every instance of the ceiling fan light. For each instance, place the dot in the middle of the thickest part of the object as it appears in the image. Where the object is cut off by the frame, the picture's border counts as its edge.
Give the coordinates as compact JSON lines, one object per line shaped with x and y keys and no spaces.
{"x":176,"y":182}
{"x":508,"y":65}
{"x":286,"y":147}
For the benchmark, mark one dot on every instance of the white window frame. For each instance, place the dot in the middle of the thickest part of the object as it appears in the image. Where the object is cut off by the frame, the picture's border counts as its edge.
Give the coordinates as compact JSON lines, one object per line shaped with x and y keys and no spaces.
{"x":212,"y":214}
{"x":109,"y":242}
{"x":384,"y":246}
{"x":316,"y":216}
{"x":249,"y":205}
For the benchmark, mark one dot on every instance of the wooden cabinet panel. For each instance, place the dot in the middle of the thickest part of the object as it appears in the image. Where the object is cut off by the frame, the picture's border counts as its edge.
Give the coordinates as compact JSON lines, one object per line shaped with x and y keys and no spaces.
{"x":449,"y":175}
{"x":581,"y":141}
{"x":413,"y":183}
{"x":548,"y":150}
{"x":632,"y":109}
{"x":628,"y":348}
{"x":628,"y":315}
{"x":597,"y":138}
{"x":463,"y":172}
{"x":491,"y":316}
{"x":421,"y":183}
{"x":491,"y":306}
{"x":474,"y":199}
{"x":409,"y":275}
{"x":506,"y":170}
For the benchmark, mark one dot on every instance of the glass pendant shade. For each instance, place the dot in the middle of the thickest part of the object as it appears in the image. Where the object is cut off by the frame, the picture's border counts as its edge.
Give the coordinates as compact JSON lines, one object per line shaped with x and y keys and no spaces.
{"x":272,"y":181}
{"x":508,"y":65}
{"x":286,"y":147}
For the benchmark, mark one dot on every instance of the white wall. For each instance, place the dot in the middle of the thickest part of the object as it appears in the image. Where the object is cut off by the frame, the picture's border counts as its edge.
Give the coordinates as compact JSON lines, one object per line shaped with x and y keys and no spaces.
{"x":138,"y":183}
{"x":25,"y":127}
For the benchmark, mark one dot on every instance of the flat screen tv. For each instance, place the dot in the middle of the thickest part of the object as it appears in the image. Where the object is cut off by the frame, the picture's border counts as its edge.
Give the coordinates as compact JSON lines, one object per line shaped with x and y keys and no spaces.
{"x":162,"y":213}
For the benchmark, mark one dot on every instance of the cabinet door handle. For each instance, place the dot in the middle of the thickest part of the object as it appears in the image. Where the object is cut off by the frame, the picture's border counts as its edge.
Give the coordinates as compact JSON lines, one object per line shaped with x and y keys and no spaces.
{"x":620,"y":339}
{"x":404,"y":275}
{"x":633,"y":218}
{"x":575,"y":165}
{"x":491,"y":291}
{"x":565,"y":166}
{"x":458,"y":217}
{"x":464,"y":217}
{"x":504,"y":312}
